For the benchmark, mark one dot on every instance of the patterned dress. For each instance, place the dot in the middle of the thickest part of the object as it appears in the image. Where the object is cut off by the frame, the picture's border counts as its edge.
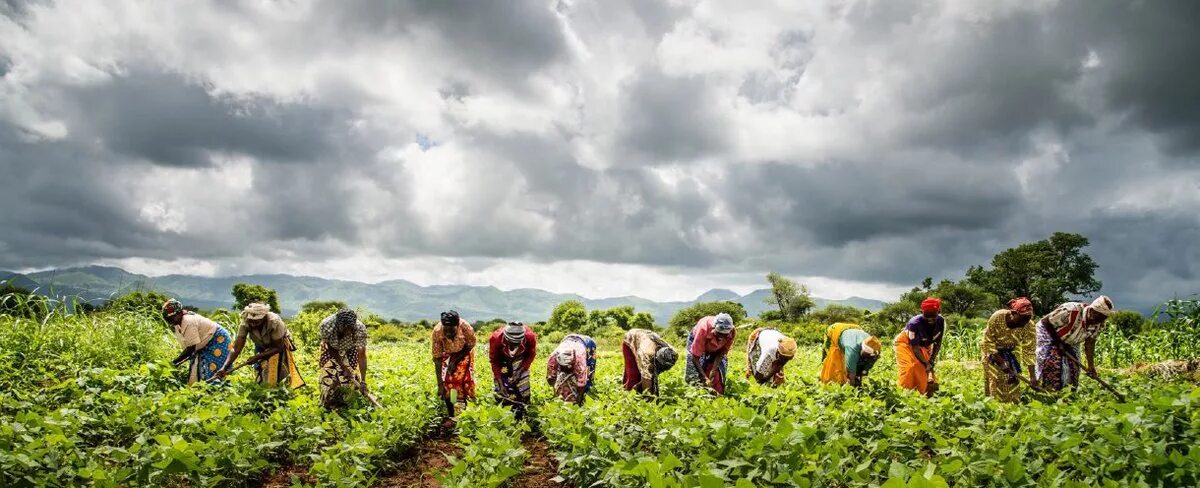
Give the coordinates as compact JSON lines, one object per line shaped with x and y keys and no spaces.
{"x":510,"y":369}
{"x":707,"y":348}
{"x":1015,"y":345}
{"x":279,"y":369}
{"x":459,"y":383}
{"x":334,"y":381}
{"x":211,"y":342}
{"x":576,"y":381}
{"x":1054,"y":369}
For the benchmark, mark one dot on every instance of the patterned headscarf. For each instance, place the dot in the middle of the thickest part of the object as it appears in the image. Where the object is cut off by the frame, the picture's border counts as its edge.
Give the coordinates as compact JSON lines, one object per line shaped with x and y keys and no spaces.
{"x":1021,"y":306}
{"x":172,"y":307}
{"x":345,"y":318}
{"x":566,"y":360}
{"x":514,"y":333}
{"x":450,"y":319}
{"x":664,"y":358}
{"x":931,"y":304}
{"x":723,"y":323}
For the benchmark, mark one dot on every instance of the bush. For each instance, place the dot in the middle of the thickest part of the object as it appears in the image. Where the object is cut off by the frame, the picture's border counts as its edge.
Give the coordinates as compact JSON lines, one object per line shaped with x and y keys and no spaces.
{"x":568,"y":316}
{"x":1128,"y":322}
{"x":836,"y":312}
{"x":685,"y":319}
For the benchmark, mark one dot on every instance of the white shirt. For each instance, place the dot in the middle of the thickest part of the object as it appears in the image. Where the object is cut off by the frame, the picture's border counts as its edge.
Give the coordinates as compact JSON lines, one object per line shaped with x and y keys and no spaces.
{"x":768,"y":345}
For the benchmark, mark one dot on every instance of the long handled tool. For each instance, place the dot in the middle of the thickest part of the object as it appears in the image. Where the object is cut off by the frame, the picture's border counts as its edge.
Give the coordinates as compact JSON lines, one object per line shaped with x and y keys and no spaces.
{"x":1033,"y":386}
{"x":1074,"y":360}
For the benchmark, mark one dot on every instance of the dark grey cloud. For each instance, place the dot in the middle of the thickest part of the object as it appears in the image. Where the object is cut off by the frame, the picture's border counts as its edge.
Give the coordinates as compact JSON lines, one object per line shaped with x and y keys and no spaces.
{"x":969,"y":133}
{"x":669,"y":118}
{"x":1147,"y":58}
{"x":508,"y":40}
{"x":170,"y":120}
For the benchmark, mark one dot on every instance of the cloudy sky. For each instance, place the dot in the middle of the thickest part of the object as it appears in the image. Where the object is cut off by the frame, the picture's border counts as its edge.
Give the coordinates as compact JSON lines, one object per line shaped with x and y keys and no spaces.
{"x":605,"y":148}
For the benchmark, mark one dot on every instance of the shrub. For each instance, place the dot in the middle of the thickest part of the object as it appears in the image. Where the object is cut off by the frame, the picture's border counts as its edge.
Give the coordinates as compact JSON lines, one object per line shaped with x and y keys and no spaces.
{"x":685,"y":319}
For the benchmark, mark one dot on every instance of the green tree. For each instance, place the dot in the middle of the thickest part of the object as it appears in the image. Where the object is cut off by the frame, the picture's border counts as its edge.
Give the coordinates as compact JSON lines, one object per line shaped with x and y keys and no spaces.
{"x":965,"y":298}
{"x":793,"y":300}
{"x":642,"y":320}
{"x":329,"y":306}
{"x":568,"y":316}
{"x":836,"y":312}
{"x":148,"y":301}
{"x":621,"y":316}
{"x":1046,"y":271}
{"x":685,"y":319}
{"x":246,"y":293}
{"x":1128,"y":322}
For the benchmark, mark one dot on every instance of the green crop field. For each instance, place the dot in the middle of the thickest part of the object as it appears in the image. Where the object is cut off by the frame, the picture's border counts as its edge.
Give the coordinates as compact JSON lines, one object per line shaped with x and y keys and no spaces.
{"x":91,"y":400}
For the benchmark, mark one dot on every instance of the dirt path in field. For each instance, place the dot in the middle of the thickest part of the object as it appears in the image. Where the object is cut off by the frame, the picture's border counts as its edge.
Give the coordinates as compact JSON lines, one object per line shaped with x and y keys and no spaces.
{"x":424,"y":462}
{"x":283,"y":478}
{"x":540,"y":467}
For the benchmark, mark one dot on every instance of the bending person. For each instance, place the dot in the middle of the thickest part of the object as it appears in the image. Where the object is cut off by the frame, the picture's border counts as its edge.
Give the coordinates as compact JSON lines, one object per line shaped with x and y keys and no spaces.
{"x":343,"y":357}
{"x":1059,"y":334}
{"x":205,"y":343}
{"x":767,"y":351}
{"x":848,"y":355}
{"x":511,"y":351}
{"x":708,"y":345}
{"x":917,"y":348}
{"x":572,"y":367}
{"x":453,"y":342}
{"x":1007,"y":344}
{"x":646,"y":355}
{"x":273,"y":359}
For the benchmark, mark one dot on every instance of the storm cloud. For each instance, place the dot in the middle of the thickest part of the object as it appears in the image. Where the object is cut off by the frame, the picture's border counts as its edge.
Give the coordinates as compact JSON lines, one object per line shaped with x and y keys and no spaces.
{"x":868,"y":142}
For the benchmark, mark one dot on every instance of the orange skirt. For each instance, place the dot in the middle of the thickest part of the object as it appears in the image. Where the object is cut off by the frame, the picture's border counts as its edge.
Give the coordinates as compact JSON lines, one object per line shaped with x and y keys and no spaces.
{"x":910,"y":373}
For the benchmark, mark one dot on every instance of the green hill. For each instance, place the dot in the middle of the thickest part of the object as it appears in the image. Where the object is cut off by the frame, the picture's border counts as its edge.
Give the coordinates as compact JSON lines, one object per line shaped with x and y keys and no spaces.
{"x":399,"y":299}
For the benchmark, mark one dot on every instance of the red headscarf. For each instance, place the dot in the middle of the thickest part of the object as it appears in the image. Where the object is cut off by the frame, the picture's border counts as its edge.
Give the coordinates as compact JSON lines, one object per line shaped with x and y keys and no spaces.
{"x":1021,"y":305}
{"x":931,"y":304}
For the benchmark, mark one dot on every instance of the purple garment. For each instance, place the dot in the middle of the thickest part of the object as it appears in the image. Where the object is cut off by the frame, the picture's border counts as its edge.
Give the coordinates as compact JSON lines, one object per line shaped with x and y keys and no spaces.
{"x":923,"y":332}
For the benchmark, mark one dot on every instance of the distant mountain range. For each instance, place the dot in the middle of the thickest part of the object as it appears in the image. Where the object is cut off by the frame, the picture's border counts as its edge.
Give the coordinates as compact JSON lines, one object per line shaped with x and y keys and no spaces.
{"x":398,"y":299}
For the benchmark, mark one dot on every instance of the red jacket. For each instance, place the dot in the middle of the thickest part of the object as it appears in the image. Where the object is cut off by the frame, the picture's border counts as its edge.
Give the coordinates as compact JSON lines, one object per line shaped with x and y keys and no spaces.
{"x":498,"y":351}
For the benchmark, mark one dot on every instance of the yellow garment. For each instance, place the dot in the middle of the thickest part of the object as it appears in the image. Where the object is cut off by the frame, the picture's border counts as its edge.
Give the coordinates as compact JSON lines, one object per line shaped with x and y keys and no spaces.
{"x":911,"y":374}
{"x":998,"y":335}
{"x":833,"y":370}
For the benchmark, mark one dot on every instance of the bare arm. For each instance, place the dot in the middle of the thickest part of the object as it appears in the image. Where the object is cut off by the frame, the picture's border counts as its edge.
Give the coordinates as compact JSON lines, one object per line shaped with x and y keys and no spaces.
{"x":234,"y":352}
{"x":184,"y":355}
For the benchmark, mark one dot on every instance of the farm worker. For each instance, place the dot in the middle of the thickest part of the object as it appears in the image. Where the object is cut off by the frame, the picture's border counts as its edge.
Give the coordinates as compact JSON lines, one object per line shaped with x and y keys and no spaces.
{"x":342,"y":359}
{"x":917,"y":348}
{"x":572,"y":367}
{"x":1059,"y":334}
{"x":204,"y":342}
{"x":511,"y":350}
{"x":848,"y":355}
{"x":708,"y":344}
{"x":1007,"y":345}
{"x":646,"y":356}
{"x":453,"y":342}
{"x":273,"y":360}
{"x":767,"y":351}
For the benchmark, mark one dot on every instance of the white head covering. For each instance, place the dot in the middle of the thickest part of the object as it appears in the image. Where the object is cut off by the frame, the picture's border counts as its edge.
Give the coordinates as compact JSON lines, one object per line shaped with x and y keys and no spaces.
{"x":1103,"y":305}
{"x":255,"y":311}
{"x":866,"y":349}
